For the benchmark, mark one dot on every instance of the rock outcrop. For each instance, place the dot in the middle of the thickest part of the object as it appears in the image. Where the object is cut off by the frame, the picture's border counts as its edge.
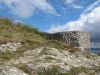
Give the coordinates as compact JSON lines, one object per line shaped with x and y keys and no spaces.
{"x":9,"y":46}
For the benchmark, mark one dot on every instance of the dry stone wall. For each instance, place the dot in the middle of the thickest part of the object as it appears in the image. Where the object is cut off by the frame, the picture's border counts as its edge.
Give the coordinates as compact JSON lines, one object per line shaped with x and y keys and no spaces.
{"x":75,"y":39}
{"x":9,"y":46}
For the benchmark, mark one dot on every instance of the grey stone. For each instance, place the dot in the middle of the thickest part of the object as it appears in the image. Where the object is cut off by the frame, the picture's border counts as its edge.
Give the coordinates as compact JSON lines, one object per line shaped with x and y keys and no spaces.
{"x":75,"y":39}
{"x":9,"y":46}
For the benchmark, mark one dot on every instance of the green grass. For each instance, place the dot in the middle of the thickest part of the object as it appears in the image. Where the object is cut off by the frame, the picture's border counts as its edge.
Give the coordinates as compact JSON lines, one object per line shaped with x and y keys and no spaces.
{"x":6,"y":55}
{"x":50,"y":71}
{"x":24,"y":68}
{"x":18,"y":32}
{"x":49,"y":58}
{"x":60,"y":45}
{"x":98,"y":54}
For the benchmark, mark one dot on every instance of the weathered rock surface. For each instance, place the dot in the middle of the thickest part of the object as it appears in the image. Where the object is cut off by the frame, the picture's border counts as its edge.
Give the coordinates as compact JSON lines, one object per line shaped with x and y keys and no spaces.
{"x":8,"y":70}
{"x":9,"y":46}
{"x":48,"y":57}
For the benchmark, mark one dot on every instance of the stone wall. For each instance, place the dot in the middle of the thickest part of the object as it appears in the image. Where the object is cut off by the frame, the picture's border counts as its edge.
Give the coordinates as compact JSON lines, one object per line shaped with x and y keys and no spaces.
{"x":76,"y":39}
{"x":9,"y":46}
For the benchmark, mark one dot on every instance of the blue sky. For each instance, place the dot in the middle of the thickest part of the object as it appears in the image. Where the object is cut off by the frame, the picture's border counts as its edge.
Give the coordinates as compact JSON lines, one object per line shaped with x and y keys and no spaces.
{"x":55,"y":15}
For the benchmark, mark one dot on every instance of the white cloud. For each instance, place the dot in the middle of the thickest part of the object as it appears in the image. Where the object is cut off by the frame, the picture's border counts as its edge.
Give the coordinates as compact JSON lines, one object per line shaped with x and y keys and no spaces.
{"x":26,"y":8}
{"x":89,"y":22}
{"x":73,"y":3}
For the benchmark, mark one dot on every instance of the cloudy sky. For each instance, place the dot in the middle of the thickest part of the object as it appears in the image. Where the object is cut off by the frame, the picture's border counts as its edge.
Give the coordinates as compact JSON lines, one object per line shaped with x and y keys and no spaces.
{"x":56,"y":15}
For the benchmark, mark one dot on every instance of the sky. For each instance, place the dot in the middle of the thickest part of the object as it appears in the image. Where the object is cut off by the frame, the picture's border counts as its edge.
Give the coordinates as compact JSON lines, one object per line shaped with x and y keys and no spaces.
{"x":55,"y":15}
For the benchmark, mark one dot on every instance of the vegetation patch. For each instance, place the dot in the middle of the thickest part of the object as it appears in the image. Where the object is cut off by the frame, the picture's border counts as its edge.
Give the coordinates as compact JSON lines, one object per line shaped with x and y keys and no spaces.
{"x":98,"y":54}
{"x":56,"y":71}
{"x":49,"y":58}
{"x":24,"y":68}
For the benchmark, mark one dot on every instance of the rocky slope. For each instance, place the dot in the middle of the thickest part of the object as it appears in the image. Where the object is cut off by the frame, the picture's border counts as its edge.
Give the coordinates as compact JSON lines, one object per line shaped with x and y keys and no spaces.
{"x":34,"y":61}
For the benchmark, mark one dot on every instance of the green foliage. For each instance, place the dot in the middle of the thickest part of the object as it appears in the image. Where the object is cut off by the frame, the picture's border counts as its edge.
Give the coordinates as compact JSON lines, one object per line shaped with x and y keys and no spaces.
{"x":98,"y":54}
{"x":76,"y":71}
{"x":6,"y":55}
{"x":9,"y":55}
{"x":50,"y":71}
{"x":50,"y":58}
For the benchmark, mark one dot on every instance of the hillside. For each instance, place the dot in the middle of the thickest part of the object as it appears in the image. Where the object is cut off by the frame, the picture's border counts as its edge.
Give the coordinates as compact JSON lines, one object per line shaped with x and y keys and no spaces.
{"x":10,"y":31}
{"x":26,"y":51}
{"x":18,"y":32}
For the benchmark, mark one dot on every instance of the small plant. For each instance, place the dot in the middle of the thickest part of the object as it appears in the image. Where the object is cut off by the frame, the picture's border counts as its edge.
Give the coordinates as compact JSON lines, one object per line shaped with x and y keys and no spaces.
{"x":50,"y":58}
{"x":24,"y":68}
{"x":6,"y":55}
{"x":49,"y":71}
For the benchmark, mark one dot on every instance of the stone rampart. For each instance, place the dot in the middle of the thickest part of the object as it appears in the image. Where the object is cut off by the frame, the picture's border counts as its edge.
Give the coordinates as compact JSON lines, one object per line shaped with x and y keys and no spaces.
{"x":75,"y":39}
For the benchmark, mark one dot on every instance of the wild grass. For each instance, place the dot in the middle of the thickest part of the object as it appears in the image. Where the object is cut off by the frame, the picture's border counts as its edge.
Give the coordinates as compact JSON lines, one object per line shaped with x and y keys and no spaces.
{"x":50,"y":71}
{"x":56,"y":71}
{"x":24,"y":68}
{"x":18,"y":32}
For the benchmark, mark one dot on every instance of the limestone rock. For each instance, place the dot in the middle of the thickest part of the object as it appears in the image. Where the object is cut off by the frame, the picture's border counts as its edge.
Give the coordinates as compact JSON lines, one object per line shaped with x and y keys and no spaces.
{"x":48,"y":57}
{"x":8,"y":70}
{"x":9,"y":46}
